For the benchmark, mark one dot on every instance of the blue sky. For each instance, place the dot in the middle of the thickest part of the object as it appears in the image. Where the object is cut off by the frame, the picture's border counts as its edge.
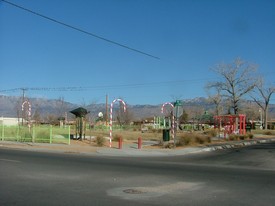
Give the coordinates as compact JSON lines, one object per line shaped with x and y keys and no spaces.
{"x":188,"y":36}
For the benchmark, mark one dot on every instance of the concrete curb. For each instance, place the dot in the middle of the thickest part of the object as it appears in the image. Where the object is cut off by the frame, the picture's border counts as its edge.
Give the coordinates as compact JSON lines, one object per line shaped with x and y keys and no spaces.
{"x":171,"y":152}
{"x":241,"y":144}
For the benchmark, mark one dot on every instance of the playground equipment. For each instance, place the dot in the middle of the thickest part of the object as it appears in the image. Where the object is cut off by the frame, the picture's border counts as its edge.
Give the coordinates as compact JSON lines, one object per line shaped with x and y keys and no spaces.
{"x":26,"y":111}
{"x":111,"y":117}
{"x":231,"y":124}
{"x":173,"y":118}
{"x":161,"y":122}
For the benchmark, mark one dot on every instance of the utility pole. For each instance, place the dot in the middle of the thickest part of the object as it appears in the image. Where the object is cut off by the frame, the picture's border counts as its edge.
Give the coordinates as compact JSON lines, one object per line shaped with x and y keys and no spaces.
{"x":107,"y":110}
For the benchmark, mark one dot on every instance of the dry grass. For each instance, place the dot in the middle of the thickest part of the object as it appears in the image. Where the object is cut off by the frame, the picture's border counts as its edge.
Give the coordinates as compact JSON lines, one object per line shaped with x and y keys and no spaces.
{"x":128,"y":134}
{"x":211,"y":132}
{"x":237,"y":137}
{"x":183,"y":138}
{"x":100,"y":141}
{"x":116,"y":137}
{"x":194,"y":138}
{"x":264,"y":132}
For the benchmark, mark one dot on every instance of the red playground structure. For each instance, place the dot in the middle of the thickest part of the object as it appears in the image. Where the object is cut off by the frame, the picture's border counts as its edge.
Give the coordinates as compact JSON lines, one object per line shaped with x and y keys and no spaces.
{"x":231,"y":124}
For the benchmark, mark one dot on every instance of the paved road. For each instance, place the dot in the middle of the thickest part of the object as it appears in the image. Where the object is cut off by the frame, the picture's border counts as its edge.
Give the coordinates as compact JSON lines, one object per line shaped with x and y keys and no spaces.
{"x":244,"y":176}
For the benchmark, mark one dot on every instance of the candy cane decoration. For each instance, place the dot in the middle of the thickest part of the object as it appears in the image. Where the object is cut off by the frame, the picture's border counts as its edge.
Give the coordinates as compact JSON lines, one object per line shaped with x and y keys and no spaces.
{"x":111,"y":117}
{"x":29,"y":112}
{"x":173,"y":118}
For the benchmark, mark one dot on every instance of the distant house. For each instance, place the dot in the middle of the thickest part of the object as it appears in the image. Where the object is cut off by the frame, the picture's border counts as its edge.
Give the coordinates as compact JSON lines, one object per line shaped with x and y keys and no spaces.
{"x":10,"y":121}
{"x":271,"y":124}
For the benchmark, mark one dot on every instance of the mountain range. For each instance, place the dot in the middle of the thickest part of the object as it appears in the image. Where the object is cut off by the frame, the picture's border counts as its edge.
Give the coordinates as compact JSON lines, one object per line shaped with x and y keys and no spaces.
{"x":11,"y":106}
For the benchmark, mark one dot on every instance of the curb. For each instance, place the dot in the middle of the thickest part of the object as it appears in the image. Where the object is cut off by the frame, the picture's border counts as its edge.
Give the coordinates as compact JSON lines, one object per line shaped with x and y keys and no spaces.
{"x":239,"y":144}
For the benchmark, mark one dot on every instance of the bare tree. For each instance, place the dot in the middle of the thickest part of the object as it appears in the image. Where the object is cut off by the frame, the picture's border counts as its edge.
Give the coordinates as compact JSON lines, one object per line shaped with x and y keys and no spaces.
{"x":124,"y":117}
{"x":265,"y":94}
{"x":37,"y":116}
{"x":18,"y":108}
{"x":250,"y":109}
{"x":61,"y":107}
{"x":216,"y":99}
{"x":51,"y":119}
{"x":194,"y":113}
{"x":94,"y":114}
{"x":184,"y":117}
{"x":237,"y":80}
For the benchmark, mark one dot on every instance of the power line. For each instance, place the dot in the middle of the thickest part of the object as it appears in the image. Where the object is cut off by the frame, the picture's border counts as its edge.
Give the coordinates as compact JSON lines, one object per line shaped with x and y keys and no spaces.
{"x":98,"y":87}
{"x":80,"y":30}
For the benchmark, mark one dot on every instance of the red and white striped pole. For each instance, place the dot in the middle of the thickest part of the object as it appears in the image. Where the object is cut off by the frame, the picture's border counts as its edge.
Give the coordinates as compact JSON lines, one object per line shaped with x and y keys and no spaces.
{"x":29,"y":111}
{"x":111,"y":117}
{"x":173,"y":118}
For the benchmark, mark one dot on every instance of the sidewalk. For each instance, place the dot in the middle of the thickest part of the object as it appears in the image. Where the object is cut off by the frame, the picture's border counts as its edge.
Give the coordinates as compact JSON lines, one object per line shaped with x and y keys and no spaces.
{"x":128,"y":149}
{"x":131,"y":149}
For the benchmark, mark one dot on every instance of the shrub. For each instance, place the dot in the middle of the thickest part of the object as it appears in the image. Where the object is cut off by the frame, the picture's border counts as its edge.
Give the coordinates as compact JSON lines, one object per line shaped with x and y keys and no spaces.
{"x":250,"y":135}
{"x":242,"y":137}
{"x":208,"y":139}
{"x":265,"y":132}
{"x":201,"y":139}
{"x":236,"y":137}
{"x":153,"y":130}
{"x":211,"y":132}
{"x":188,"y":139}
{"x":184,"y":140}
{"x":168,"y":146}
{"x":268,"y":133}
{"x":100,"y":141}
{"x":233,"y":137}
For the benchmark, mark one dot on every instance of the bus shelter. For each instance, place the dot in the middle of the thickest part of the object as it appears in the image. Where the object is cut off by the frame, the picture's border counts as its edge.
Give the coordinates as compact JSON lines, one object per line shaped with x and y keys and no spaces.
{"x":80,"y":123}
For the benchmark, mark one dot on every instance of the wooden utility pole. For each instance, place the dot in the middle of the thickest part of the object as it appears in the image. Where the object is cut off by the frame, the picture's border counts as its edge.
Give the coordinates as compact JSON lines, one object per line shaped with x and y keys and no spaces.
{"x":107,"y":110}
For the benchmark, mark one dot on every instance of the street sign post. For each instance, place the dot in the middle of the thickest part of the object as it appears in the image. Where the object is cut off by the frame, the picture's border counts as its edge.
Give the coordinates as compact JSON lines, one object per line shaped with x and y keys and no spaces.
{"x":177,"y":103}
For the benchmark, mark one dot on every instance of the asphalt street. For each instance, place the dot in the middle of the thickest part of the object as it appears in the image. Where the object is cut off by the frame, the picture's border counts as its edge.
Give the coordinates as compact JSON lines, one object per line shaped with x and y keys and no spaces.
{"x":239,"y":176}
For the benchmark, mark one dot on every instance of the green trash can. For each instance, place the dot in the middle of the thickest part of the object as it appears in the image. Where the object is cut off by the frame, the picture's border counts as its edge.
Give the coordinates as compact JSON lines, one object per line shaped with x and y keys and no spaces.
{"x":166,"y":135}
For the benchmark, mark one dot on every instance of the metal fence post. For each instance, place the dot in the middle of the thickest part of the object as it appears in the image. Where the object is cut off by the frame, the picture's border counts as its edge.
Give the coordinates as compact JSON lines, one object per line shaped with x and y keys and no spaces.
{"x":17,"y":133}
{"x":33,"y":134}
{"x":3,"y":131}
{"x":51,"y":133}
{"x":69,"y":136}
